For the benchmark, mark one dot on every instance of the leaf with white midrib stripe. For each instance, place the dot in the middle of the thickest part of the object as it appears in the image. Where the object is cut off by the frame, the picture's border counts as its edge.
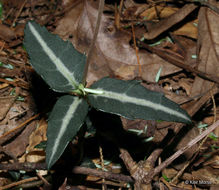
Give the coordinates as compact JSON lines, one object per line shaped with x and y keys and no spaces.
{"x":130,"y":99}
{"x":64,"y":122}
{"x":58,"y":63}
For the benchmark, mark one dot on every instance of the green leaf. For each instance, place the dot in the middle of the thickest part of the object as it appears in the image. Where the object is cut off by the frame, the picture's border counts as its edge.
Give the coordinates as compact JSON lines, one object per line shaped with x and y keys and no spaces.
{"x":58,"y":63}
{"x":64,"y":122}
{"x":166,"y":178}
{"x":132,"y":100}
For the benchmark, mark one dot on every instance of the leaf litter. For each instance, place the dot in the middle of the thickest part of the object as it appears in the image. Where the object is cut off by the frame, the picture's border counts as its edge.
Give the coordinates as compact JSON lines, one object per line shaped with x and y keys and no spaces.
{"x":114,"y":55}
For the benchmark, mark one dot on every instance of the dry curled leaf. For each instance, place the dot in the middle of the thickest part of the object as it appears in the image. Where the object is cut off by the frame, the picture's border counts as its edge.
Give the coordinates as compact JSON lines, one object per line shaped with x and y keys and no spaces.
{"x":113,"y":54}
{"x":188,"y":29}
{"x":208,"y":40}
{"x":38,"y":136}
{"x":158,"y":28}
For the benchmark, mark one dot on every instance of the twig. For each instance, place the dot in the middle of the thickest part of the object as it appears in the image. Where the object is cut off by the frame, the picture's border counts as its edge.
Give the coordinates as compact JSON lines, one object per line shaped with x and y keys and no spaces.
{"x":18,"y":183}
{"x":168,"y":161}
{"x":102,"y":166}
{"x":136,"y":51}
{"x":214,"y":106}
{"x":26,"y":166}
{"x":158,"y":28}
{"x":179,"y":63}
{"x":127,"y":159}
{"x":210,"y":93}
{"x":5,"y":137}
{"x":18,"y":13}
{"x":90,"y":51}
{"x":140,"y":170}
{"x":166,"y":183}
{"x":175,"y":179}
{"x":102,"y":174}
{"x":43,"y":179}
{"x":15,"y":83}
{"x":35,"y":184}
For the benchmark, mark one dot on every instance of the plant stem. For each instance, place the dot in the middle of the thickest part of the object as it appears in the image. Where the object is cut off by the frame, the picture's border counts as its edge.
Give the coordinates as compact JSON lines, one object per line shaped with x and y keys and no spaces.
{"x":90,"y":51}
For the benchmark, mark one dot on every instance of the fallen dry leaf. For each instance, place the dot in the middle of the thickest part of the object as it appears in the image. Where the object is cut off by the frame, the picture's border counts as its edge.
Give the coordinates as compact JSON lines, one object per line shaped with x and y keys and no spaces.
{"x":191,"y":134}
{"x":213,"y":162}
{"x":151,"y":13}
{"x":6,"y":33}
{"x":189,"y":29}
{"x":5,"y":105}
{"x":208,"y":40}
{"x":39,"y":135}
{"x":170,"y":172}
{"x":154,"y":30}
{"x":18,"y":146}
{"x":113,"y":54}
{"x":207,"y":174}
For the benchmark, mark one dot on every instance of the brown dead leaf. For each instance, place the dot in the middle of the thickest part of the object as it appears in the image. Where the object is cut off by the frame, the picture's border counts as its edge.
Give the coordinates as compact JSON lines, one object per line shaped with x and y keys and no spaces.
{"x":6,"y":33}
{"x":39,"y":135}
{"x":14,"y":134}
{"x":189,"y":29}
{"x":194,"y":132}
{"x":113,"y":54}
{"x":213,"y":162}
{"x":5,"y":105}
{"x":170,"y":172}
{"x":206,"y":174}
{"x":160,"y":27}
{"x":18,"y":146}
{"x":151,"y":13}
{"x":208,"y":40}
{"x":15,"y":115}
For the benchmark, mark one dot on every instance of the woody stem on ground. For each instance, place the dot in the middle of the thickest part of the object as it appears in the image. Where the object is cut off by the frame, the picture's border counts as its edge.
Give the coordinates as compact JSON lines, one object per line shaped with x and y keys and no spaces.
{"x":90,"y":50}
{"x":169,"y":160}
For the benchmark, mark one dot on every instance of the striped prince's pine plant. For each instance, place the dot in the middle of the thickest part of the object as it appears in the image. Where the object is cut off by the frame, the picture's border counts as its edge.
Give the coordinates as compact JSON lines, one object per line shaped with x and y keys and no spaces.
{"x":62,"y":67}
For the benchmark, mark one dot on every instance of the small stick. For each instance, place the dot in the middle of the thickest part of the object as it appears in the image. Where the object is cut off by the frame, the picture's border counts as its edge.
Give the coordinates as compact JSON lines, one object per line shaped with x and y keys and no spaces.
{"x":5,"y":137}
{"x":27,"y":166}
{"x":102,"y":166}
{"x":19,"y":12}
{"x":18,"y":183}
{"x":43,"y":179}
{"x":102,"y":174}
{"x":168,"y":161}
{"x":90,"y":51}
{"x":136,"y":51}
{"x":179,"y":63}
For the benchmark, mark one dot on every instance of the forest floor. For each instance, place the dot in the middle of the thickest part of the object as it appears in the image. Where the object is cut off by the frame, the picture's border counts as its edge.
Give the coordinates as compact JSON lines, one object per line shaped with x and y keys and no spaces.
{"x":170,"y":46}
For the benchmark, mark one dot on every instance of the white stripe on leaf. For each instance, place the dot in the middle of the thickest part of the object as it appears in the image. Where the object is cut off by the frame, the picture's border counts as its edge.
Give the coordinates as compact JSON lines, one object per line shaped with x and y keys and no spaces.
{"x":69,"y":76}
{"x":124,"y":98}
{"x":65,"y":122}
